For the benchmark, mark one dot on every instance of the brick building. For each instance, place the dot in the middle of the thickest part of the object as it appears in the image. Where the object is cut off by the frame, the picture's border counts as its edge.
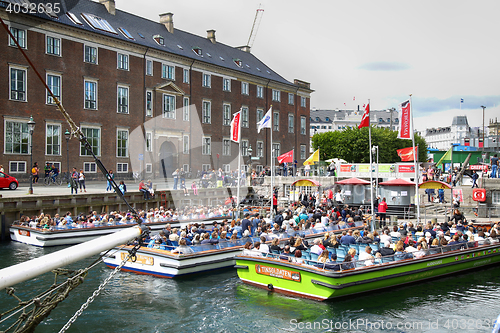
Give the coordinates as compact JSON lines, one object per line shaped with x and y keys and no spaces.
{"x":150,"y":98}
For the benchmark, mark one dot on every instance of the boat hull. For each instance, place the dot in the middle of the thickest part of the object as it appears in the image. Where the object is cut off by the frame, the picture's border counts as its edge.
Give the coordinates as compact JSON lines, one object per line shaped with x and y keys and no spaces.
{"x":319,"y":284}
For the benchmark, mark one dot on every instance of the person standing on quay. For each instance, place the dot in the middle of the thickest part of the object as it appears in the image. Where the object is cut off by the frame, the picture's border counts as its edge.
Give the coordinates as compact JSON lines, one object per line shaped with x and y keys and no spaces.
{"x":111,"y":176}
{"x":382,"y":210}
{"x":74,"y":181}
{"x":175,"y":174}
{"x":494,"y":166}
{"x":81,"y":180}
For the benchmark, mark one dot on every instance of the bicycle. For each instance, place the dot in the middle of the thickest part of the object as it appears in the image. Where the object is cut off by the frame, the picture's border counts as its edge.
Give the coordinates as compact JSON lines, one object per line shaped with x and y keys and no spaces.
{"x":47,"y":181}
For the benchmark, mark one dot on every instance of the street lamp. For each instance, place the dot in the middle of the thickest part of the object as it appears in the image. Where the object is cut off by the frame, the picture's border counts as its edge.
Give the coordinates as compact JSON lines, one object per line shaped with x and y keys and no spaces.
{"x":375,"y":148}
{"x":31,"y":129}
{"x":67,"y":135}
{"x":249,"y":152}
{"x":484,"y":107}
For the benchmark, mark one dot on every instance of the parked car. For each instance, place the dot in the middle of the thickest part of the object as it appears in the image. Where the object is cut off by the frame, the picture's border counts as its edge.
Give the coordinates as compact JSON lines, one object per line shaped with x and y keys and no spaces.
{"x":8,"y":181}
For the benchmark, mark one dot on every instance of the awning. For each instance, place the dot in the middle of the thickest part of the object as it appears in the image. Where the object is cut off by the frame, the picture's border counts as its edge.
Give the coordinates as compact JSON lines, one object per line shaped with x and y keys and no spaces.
{"x":397,"y":182}
{"x":353,"y":181}
{"x":434,"y":184}
{"x":305,"y":182}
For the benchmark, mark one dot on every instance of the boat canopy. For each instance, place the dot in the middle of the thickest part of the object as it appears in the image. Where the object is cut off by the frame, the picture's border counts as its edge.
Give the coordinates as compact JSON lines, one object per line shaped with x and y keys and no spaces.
{"x":353,"y":181}
{"x":434,"y":184}
{"x":305,"y":182}
{"x":397,"y":182}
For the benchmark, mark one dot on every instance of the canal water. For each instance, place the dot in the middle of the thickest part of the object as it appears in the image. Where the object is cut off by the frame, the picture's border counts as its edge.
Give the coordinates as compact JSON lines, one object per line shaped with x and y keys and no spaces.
{"x":220,"y":302}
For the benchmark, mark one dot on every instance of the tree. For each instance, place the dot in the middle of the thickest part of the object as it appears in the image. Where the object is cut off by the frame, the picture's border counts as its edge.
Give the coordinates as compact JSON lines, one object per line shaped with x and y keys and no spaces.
{"x":352,"y":145}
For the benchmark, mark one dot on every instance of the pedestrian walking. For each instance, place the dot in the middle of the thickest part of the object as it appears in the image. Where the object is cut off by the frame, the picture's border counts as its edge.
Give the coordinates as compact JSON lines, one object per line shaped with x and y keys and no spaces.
{"x":73,"y":181}
{"x":81,"y":180}
{"x":111,"y":176}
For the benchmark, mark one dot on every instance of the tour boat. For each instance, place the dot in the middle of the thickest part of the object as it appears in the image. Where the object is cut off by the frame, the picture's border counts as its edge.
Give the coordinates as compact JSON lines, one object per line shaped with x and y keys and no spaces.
{"x":206,"y":257}
{"x":320,"y":282}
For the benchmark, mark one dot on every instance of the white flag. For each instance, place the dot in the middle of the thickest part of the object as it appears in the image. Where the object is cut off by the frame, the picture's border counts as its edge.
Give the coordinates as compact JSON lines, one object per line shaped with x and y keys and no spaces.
{"x":265,"y":122}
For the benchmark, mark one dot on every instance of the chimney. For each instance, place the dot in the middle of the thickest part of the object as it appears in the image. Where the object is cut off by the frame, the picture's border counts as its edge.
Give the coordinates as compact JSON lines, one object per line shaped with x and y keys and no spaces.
{"x":110,"y":5}
{"x":244,"y":48}
{"x":211,"y":35}
{"x":168,"y":21}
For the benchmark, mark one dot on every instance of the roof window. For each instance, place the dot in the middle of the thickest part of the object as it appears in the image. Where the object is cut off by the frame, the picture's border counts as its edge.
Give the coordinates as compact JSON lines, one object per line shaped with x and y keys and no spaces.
{"x":238,"y":62}
{"x":141,"y":35}
{"x":159,"y":39}
{"x":198,"y":51}
{"x":180,"y":47}
{"x":209,"y":55}
{"x":98,"y":23}
{"x":221,"y":58}
{"x":126,"y":33}
{"x":72,"y":17}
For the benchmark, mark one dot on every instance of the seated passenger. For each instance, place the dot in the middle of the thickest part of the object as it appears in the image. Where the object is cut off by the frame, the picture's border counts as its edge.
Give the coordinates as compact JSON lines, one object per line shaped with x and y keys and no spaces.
{"x":286,"y":253}
{"x":298,"y":257}
{"x":420,"y":251}
{"x":324,"y":257}
{"x":264,"y":248}
{"x":410,"y":248}
{"x":183,"y":248}
{"x":274,"y":245}
{"x":400,"y":254}
{"x":316,"y":249}
{"x":348,"y":262}
{"x":386,"y":250}
{"x":366,"y":256}
{"x":249,"y":251}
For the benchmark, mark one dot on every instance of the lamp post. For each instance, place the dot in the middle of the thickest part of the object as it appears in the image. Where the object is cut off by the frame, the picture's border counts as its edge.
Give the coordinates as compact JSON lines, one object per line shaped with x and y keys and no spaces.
{"x":375,"y":148}
{"x":67,"y":135}
{"x":249,"y":152}
{"x":390,"y":111}
{"x":484,"y":107}
{"x":31,"y":129}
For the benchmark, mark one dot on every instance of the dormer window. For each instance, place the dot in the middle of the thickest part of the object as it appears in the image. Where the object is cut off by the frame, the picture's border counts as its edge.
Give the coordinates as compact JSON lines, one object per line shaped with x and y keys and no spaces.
{"x":141,"y":35}
{"x":125,"y":33}
{"x":159,"y":39}
{"x":198,"y":52}
{"x":180,"y":47}
{"x":327,"y":118}
{"x":238,"y":62}
{"x":221,"y":58}
{"x":209,"y":55}
{"x":73,"y":18}
{"x":98,"y":23}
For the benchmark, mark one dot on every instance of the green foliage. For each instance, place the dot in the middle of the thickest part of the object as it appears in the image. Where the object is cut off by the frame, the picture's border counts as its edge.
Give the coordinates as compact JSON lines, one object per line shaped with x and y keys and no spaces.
{"x":352,"y":145}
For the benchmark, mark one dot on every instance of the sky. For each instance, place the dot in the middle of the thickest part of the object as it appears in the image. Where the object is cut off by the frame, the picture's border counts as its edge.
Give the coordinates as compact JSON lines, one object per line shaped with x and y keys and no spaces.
{"x":439,"y":52}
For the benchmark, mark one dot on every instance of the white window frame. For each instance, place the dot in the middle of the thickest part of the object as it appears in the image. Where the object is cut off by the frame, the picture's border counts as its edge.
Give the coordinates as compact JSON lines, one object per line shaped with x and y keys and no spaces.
{"x":122,"y":61}
{"x":244,"y":148}
{"x":82,"y":127}
{"x":290,"y":98}
{"x":96,"y":101}
{"x":259,"y":149}
{"x":276,"y":121}
{"x":49,"y":100}
{"x":291,"y":124}
{"x":85,"y":46}
{"x":245,"y":117}
{"x":89,"y":167}
{"x":185,"y":144}
{"x":150,"y":105}
{"x":226,"y":84}
{"x":303,"y":125}
{"x":149,"y":168}
{"x":120,"y":167}
{"x":25,"y":83}
{"x":303,"y":102}
{"x":185,"y":109}
{"x":226,"y":114}
{"x":495,"y":197}
{"x":17,"y":163}
{"x":52,"y":144}
{"x":24,"y":44}
{"x":185,"y":167}
{"x":276,"y":96}
{"x":149,"y":67}
{"x":260,"y":92}
{"x":206,"y":117}
{"x":303,"y":150}
{"x":149,"y":142}
{"x":245,"y":88}
{"x":168,"y":72}
{"x":206,"y":145}
{"x":260,"y":115}
{"x":259,"y":168}
{"x":123,"y":109}
{"x":226,"y":168}
{"x":25,"y":134}
{"x":118,"y":148}
{"x":185,"y":75}
{"x":171,"y":112}
{"x":56,"y":164}
{"x":57,"y":54}
{"x":276,"y":149}
{"x":206,"y":167}
{"x":226,"y":147}
{"x":206,"y":80}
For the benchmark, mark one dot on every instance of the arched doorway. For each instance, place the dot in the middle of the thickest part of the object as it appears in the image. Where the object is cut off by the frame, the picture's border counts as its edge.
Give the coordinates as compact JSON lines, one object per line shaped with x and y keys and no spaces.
{"x":168,"y":159}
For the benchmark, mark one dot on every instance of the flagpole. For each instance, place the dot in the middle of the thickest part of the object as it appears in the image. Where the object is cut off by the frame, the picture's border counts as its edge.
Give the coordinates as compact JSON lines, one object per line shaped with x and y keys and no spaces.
{"x":238,"y":177}
{"x":371,"y":168}
{"x":417,"y":196}
{"x":272,"y":169}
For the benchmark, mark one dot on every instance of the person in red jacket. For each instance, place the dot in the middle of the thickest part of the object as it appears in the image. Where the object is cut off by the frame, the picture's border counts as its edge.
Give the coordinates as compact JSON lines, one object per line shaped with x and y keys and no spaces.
{"x":382,"y":210}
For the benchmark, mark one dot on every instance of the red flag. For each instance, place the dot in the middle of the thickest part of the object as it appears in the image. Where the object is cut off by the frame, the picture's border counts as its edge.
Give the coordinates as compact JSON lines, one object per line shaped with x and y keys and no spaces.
{"x":286,"y":157}
{"x":406,"y":154}
{"x":405,"y":127}
{"x":365,"y":121}
{"x":235,"y":127}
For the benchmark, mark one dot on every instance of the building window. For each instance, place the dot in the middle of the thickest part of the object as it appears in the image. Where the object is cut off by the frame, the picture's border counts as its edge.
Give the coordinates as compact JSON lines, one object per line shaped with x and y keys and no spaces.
{"x":149,"y":141}
{"x":56,"y":164}
{"x":205,"y":167}
{"x":185,"y":75}
{"x":18,"y":84}
{"x":185,"y":144}
{"x":91,"y":54}
{"x":123,"y":61}
{"x":168,"y":72}
{"x":93,"y":136}
{"x":53,"y":139}
{"x":226,"y":168}
{"x":206,"y":146}
{"x":149,"y":168}
{"x":19,"y":35}
{"x":276,"y":121}
{"x":495,"y":197}
{"x":276,"y":150}
{"x":276,"y":95}
{"x":121,"y":167}
{"x":149,"y":67}
{"x":207,"y":112}
{"x":303,"y":152}
{"x":260,"y":149}
{"x":260,"y":92}
{"x":17,"y":167}
{"x":168,"y":106}
{"x":185,"y":109}
{"x":226,"y":84}
{"x":244,"y":148}
{"x":159,"y":39}
{"x":122,"y":143}
{"x":17,"y":137}
{"x":303,"y":102}
{"x":244,"y":117}
{"x":226,"y":147}
{"x":122,"y":99}
{"x":53,"y":45}
{"x":290,"y":99}
{"x":149,"y":103}
{"x":244,"y":88}
{"x":207,"y":80}
{"x":260,"y":115}
{"x":291,"y":121}
{"x":89,"y":167}
{"x":90,"y":95}
{"x":54,"y":83}
{"x":226,"y":114}
{"x":303,"y":125}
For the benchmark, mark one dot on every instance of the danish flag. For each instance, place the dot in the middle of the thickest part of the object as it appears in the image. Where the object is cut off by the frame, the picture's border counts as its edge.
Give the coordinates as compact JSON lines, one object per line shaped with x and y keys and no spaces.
{"x":365,"y":121}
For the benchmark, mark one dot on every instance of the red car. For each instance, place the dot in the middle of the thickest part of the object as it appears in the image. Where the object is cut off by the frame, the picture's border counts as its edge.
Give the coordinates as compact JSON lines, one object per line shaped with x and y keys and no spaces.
{"x":8,"y":181}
